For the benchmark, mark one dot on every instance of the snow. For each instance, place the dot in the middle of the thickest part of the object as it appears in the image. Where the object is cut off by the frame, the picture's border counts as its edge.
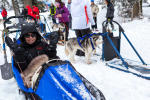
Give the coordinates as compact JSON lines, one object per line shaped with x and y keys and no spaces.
{"x":114,"y":84}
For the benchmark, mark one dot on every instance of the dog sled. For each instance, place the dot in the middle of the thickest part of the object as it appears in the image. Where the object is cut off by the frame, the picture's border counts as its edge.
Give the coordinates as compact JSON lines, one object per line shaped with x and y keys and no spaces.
{"x":111,"y":54}
{"x":56,"y":80}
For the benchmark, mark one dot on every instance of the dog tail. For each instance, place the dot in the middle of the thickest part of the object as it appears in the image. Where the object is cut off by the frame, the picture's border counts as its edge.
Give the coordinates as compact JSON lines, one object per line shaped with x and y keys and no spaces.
{"x":66,"y":50}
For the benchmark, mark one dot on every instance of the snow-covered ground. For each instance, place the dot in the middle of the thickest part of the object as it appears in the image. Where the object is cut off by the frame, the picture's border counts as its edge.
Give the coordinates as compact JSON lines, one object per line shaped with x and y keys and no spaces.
{"x":114,"y":84}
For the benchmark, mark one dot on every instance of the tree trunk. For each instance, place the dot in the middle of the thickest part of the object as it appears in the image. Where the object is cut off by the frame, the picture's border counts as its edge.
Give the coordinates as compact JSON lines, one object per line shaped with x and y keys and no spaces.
{"x":27,"y":2}
{"x":16,"y":7}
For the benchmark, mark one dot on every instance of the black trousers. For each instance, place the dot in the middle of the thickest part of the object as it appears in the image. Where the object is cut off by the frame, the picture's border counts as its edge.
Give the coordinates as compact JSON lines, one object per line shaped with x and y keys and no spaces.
{"x":95,"y":26}
{"x":80,"y":33}
{"x":53,"y":19}
{"x":67,"y":30}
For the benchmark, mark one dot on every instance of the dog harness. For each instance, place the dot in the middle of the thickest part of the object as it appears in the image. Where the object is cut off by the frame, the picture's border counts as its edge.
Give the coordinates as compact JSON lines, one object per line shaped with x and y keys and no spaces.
{"x":89,"y":36}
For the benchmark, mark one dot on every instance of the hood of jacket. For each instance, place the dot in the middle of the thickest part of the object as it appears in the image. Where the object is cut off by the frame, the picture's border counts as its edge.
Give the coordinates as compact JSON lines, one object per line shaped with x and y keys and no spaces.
{"x":29,"y":28}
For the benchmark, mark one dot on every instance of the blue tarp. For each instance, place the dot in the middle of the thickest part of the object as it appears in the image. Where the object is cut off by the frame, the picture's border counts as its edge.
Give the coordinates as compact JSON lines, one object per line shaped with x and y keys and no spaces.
{"x":59,"y":82}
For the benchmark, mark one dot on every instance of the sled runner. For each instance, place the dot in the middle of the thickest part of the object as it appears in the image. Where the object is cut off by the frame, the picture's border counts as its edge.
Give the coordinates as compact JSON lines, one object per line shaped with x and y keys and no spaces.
{"x":111,"y":50}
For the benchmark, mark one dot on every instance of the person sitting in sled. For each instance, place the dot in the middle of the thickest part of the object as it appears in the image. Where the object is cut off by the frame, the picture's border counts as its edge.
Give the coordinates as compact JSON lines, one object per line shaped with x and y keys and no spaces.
{"x":30,"y":47}
{"x":110,"y":13}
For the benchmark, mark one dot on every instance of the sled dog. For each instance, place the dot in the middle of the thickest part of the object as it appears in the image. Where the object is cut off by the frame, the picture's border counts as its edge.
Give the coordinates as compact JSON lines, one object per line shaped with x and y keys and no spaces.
{"x":86,"y":46}
{"x":33,"y":67}
{"x":60,"y":27}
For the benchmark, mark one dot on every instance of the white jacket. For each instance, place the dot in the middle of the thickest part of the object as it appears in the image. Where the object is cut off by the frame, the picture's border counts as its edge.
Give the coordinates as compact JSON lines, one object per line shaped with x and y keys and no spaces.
{"x":79,"y":16}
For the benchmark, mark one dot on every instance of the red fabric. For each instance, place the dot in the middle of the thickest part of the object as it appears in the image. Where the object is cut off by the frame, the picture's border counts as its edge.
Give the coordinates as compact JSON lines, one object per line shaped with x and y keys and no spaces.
{"x":4,"y":13}
{"x":29,"y":10}
{"x":36,"y":12}
{"x":86,"y":14}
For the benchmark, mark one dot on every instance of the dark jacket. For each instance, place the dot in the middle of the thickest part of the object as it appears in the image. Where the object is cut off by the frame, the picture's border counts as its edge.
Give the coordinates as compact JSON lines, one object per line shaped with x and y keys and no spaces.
{"x":28,"y":52}
{"x":110,"y":11}
{"x":24,"y":12}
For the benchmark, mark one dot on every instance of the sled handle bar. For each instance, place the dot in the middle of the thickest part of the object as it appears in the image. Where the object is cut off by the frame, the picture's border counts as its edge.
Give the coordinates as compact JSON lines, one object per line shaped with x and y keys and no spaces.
{"x":120,"y":27}
{"x":7,"y":20}
{"x":17,"y":25}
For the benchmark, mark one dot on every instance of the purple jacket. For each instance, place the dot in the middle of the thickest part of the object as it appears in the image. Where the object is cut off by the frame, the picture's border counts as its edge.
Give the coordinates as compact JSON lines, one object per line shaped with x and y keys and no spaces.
{"x":64,"y":12}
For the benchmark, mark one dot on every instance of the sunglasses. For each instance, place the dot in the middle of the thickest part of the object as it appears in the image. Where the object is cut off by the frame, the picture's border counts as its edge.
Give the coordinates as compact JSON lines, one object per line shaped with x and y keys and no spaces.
{"x":30,"y":35}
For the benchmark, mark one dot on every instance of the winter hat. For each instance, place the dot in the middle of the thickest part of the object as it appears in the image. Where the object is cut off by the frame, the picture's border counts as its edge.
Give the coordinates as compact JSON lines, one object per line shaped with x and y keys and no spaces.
{"x":92,"y":0}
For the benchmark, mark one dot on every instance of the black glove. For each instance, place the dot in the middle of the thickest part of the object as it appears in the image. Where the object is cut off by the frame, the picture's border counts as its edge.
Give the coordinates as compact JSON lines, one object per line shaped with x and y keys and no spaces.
{"x":12,"y":45}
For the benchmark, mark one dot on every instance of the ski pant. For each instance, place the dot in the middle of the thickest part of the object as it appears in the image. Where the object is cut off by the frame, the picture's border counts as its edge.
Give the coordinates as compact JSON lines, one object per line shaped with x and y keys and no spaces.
{"x":67,"y":30}
{"x":80,"y":33}
{"x":95,"y":26}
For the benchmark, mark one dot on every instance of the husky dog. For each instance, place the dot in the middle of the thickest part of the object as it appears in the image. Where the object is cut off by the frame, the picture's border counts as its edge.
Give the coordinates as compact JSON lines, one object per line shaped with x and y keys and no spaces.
{"x":86,"y":46}
{"x":60,"y":27}
{"x":34,"y":66}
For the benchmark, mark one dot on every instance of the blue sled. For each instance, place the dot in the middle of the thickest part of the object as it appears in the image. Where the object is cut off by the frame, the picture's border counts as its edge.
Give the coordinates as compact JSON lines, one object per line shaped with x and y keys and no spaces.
{"x":59,"y":80}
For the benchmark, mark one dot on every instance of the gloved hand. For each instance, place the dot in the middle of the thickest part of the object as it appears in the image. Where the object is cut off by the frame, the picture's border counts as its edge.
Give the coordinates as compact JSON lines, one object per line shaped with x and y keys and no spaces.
{"x":108,"y":19}
{"x":10,"y":43}
{"x":14,"y":46}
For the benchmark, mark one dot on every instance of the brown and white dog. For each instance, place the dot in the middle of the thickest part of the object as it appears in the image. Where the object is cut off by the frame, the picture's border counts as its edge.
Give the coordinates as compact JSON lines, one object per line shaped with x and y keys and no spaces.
{"x":60,"y":27}
{"x":33,"y":69}
{"x":72,"y":45}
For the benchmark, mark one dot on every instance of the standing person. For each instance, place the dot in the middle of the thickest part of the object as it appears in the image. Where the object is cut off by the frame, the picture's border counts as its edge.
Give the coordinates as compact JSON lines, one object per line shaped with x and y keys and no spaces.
{"x":31,"y":46}
{"x":69,"y":8}
{"x":53,"y":12}
{"x":82,"y":19}
{"x":95,"y":11}
{"x":4,"y":14}
{"x":62,"y":14}
{"x":110,"y":13}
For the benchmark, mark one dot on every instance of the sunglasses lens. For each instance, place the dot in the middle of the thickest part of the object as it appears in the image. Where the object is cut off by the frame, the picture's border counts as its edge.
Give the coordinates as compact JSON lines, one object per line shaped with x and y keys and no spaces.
{"x":33,"y":35}
{"x":28,"y":35}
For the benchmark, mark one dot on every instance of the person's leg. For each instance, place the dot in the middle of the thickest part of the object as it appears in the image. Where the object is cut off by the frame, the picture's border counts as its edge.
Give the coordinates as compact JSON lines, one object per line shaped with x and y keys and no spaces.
{"x":95,"y":19}
{"x":85,"y":31}
{"x":67,"y":30}
{"x":70,"y":21}
{"x":78,"y":33}
{"x":112,"y":25}
{"x":53,"y":19}
{"x":79,"y":52}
